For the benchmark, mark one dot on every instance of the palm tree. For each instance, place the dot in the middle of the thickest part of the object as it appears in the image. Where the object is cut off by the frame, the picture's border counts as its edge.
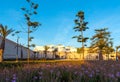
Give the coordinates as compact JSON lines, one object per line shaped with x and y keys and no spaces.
{"x":55,"y":53}
{"x":4,"y":32}
{"x":45,"y":51}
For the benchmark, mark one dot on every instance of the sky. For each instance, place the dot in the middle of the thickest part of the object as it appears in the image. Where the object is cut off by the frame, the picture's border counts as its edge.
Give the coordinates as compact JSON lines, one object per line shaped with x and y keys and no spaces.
{"x":57,"y":19}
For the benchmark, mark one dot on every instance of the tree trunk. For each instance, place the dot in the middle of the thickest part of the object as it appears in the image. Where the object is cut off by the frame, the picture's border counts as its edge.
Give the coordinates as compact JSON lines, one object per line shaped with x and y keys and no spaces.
{"x":2,"y":47}
{"x":45,"y":54}
{"x":108,"y":56}
{"x":116,"y":54}
{"x":54,"y":53}
{"x":1,"y":55}
{"x":100,"y":55}
{"x":21,"y":53}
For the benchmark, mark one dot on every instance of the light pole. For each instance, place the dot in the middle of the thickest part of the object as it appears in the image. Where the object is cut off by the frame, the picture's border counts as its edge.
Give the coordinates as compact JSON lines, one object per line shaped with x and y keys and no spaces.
{"x":16,"y":33}
{"x":17,"y":49}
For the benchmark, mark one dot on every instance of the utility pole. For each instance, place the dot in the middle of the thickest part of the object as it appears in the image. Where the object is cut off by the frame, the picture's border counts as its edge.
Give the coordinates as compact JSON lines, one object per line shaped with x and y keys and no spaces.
{"x":17,"y":49}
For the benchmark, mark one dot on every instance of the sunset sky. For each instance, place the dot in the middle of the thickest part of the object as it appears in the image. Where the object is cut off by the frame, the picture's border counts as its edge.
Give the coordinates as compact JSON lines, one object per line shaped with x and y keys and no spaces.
{"x":57,"y":19}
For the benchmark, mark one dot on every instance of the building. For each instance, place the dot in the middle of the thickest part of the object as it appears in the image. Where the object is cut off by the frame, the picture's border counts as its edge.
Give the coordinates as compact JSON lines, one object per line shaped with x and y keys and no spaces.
{"x":57,"y":51}
{"x":69,"y":52}
{"x":11,"y":51}
{"x":52,"y":52}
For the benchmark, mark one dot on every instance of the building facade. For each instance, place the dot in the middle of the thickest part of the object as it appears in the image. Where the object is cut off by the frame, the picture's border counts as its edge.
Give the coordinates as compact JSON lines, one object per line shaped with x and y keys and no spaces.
{"x":13,"y":51}
{"x":69,"y":52}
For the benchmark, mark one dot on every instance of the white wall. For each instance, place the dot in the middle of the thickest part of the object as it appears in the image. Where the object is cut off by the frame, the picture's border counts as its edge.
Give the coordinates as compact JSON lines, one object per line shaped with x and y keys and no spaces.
{"x":11,"y":50}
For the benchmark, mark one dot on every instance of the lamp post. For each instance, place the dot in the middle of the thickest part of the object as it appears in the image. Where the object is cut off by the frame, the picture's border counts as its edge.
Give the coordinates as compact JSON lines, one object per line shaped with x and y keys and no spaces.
{"x":16,"y":34}
{"x":17,"y":49}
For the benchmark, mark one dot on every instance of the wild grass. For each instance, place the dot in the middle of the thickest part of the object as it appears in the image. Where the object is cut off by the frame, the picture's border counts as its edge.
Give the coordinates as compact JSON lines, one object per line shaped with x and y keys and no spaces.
{"x":60,"y":71}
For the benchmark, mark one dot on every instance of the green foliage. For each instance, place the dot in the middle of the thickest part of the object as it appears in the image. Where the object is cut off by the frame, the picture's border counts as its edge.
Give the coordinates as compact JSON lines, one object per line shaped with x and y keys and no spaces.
{"x":81,"y":26}
{"x":117,"y":47}
{"x":28,"y":13}
{"x":4,"y":31}
{"x":101,"y":42}
{"x":32,"y":25}
{"x":101,"y":39}
{"x":10,"y":65}
{"x":16,"y":33}
{"x":30,"y":38}
{"x":62,"y":71}
{"x":32,"y":45}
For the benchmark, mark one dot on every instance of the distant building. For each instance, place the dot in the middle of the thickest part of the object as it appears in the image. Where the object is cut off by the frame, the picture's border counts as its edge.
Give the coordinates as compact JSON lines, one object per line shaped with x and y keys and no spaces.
{"x":70,"y":49}
{"x":69,"y":52}
{"x":11,"y":50}
{"x":53,"y":52}
{"x":57,"y":51}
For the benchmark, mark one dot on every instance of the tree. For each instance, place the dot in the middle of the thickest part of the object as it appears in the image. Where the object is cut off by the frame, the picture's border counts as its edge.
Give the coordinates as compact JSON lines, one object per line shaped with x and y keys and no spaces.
{"x":32,"y":25}
{"x":55,"y":53}
{"x":81,"y":26}
{"x":101,"y":41}
{"x":4,"y":32}
{"x":109,"y":48}
{"x":117,"y":52}
{"x":45,"y":51}
{"x":21,"y":52}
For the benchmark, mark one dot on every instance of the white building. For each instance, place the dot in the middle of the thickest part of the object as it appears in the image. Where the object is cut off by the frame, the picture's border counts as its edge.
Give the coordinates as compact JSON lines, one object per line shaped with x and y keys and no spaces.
{"x":69,"y":52}
{"x":39,"y":48}
{"x":53,"y":51}
{"x":56,"y":51}
{"x":39,"y":51}
{"x":70,"y":49}
{"x":10,"y":51}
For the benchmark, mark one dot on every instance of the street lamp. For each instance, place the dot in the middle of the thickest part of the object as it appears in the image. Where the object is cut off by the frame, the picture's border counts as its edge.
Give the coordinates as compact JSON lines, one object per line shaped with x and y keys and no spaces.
{"x":17,"y":49}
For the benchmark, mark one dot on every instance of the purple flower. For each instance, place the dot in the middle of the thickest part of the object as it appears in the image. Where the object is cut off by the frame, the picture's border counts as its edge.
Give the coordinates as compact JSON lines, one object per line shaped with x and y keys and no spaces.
{"x":90,"y":75}
{"x":58,"y":73}
{"x":118,"y":74}
{"x":40,"y":77}
{"x":80,"y":74}
{"x":75,"y":72}
{"x":111,"y":75}
{"x":51,"y":71}
{"x":35,"y":77}
{"x":14,"y":77}
{"x":7,"y":79}
{"x":48,"y":65}
{"x":13,"y":80}
{"x":86,"y":72}
{"x":40,"y":73}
